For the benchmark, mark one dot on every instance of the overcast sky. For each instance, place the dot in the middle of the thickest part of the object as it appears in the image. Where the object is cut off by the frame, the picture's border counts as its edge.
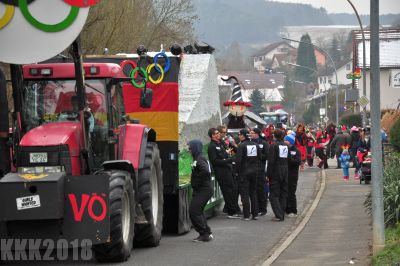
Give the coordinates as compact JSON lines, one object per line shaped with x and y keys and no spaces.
{"x":342,"y":6}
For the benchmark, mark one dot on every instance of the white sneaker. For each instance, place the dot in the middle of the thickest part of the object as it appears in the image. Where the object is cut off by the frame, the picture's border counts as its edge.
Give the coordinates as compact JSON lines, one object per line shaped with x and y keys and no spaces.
{"x":234,"y":216}
{"x":292,"y":215}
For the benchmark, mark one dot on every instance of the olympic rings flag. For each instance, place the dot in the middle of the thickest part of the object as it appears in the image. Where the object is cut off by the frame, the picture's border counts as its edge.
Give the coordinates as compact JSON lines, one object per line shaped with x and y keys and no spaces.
{"x":33,"y":31}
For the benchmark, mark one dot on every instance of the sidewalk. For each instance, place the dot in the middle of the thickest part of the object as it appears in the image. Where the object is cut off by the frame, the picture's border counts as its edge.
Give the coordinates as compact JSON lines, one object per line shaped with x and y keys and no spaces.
{"x":339,"y":230}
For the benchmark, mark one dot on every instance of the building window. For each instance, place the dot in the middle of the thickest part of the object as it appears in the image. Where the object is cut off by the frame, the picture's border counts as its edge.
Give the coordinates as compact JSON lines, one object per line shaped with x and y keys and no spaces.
{"x":348,"y":67}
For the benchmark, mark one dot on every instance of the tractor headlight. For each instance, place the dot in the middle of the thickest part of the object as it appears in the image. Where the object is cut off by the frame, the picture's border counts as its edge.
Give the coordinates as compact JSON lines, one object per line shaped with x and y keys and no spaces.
{"x":40,"y":169}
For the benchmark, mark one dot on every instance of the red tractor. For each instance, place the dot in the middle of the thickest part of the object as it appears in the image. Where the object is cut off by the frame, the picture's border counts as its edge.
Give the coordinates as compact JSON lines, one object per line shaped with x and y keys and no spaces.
{"x":84,"y":170}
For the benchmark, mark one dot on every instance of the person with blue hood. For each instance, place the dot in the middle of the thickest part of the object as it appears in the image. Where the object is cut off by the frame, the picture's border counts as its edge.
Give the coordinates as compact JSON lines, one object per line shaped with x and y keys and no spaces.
{"x":202,"y":191}
{"x":294,"y":160}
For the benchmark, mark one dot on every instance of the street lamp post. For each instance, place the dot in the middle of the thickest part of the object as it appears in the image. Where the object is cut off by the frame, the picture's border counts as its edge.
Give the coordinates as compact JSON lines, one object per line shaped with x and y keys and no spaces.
{"x":364,"y":116}
{"x":334,"y":67}
{"x":326,"y":92}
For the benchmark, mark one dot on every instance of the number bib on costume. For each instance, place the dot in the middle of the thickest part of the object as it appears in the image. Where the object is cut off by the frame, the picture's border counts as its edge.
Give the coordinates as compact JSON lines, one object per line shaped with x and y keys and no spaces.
{"x":283,"y":151}
{"x":251,"y":151}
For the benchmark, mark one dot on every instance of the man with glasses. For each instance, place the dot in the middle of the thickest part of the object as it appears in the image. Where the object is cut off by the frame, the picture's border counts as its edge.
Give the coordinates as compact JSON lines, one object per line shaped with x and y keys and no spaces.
{"x":222,"y":164}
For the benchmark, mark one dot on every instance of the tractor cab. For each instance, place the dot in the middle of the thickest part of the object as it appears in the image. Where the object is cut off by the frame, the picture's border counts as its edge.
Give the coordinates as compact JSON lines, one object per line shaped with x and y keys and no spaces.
{"x":50,"y":104}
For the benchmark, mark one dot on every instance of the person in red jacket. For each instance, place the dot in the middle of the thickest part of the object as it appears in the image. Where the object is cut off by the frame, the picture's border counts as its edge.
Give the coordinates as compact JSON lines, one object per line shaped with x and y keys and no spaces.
{"x":301,"y":143}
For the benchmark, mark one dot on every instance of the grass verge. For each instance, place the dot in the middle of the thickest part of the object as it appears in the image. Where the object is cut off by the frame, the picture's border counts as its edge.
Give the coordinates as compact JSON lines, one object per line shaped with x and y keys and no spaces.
{"x":390,"y":255}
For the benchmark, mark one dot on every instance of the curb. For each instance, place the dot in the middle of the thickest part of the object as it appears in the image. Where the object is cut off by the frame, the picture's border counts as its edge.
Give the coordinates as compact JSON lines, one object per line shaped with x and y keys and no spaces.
{"x":289,"y":239}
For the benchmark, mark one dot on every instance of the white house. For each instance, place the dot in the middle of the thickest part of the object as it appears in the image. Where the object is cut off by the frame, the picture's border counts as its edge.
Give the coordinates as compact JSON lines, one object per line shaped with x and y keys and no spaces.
{"x":389,"y":52}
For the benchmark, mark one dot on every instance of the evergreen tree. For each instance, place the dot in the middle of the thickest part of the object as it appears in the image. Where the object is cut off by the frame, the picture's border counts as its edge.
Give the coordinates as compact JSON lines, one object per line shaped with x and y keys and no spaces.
{"x":334,"y":50}
{"x":257,"y":100}
{"x":306,"y":59}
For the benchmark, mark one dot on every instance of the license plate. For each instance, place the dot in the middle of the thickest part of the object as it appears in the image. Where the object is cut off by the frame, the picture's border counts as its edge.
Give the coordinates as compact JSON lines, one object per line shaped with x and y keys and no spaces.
{"x":38,"y":157}
{"x":28,"y":202}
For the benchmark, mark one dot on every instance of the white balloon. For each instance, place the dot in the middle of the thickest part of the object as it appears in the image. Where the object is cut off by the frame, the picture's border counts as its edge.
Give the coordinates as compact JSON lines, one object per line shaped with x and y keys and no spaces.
{"x":22,"y":43}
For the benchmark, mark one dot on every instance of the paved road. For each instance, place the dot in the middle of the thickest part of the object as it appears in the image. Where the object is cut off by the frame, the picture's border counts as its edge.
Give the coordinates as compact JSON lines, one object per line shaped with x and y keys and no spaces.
{"x":236,"y":242}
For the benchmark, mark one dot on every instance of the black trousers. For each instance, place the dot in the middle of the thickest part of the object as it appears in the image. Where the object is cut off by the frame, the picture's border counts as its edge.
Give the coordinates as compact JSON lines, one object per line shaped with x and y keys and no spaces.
{"x":279,"y":191}
{"x":261,"y":195}
{"x":227,"y":185}
{"x":200,"y":197}
{"x":248,"y":194}
{"x":323,"y":158}
{"x":293,"y":178}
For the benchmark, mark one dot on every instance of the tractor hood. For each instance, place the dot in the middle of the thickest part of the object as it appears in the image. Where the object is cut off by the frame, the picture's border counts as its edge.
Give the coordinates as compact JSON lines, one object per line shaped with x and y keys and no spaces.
{"x":54,"y":134}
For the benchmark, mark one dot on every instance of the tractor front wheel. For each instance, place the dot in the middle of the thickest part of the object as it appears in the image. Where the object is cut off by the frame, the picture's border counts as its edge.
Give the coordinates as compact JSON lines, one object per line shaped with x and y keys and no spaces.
{"x":122,"y":213}
{"x":150,"y":189}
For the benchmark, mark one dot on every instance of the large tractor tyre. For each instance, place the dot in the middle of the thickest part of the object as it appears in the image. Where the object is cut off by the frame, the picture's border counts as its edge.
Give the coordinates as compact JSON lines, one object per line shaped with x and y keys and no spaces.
{"x":122,"y":219}
{"x":150,"y":196}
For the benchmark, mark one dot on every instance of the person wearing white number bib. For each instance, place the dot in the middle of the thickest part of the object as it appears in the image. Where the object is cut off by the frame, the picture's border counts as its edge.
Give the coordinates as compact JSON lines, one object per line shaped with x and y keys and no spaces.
{"x":248,"y":161}
{"x":277,"y":174}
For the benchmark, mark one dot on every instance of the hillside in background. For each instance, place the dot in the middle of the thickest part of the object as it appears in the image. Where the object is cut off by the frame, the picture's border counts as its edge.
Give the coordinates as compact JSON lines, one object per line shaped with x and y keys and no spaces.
{"x":223,"y":22}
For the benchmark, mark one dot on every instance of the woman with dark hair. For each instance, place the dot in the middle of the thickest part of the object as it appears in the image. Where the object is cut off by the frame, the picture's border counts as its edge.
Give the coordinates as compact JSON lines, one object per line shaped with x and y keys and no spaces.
{"x":301,"y":143}
{"x":202,"y":191}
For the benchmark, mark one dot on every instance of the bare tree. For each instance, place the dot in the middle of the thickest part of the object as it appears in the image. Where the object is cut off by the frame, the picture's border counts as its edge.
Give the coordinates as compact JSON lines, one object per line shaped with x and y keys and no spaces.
{"x":121,"y":25}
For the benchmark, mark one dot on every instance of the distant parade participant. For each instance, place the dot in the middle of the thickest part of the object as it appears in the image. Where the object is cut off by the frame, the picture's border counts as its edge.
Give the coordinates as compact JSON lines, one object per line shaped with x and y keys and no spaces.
{"x":248,"y":161}
{"x":202,"y":191}
{"x":344,"y":159}
{"x":262,"y":175}
{"x":310,"y":149}
{"x":301,"y":143}
{"x":222,"y":164}
{"x":320,"y":143}
{"x":294,"y":159}
{"x":277,"y":173}
{"x":330,"y":135}
{"x":269,"y":133}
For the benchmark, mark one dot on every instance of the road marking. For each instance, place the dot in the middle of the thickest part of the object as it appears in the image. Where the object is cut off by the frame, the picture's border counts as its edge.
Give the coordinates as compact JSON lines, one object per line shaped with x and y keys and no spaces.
{"x":277,"y":252}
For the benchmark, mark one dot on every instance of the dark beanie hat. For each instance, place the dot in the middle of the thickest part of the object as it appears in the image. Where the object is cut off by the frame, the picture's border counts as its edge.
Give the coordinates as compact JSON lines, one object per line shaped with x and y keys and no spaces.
{"x":244,"y":132}
{"x":257,"y":130}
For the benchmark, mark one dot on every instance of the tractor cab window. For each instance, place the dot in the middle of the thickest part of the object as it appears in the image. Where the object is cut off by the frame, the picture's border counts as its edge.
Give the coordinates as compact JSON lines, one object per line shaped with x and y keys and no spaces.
{"x":55,"y":101}
{"x":117,"y":102}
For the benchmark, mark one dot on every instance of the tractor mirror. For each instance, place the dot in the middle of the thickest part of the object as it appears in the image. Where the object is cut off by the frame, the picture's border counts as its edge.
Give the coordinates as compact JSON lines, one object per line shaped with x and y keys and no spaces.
{"x":146,"y":98}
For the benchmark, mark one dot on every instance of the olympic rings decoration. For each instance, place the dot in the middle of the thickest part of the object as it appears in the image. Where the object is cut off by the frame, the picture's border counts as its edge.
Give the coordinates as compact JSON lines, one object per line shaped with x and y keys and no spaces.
{"x":60,"y":26}
{"x":8,"y":14}
{"x":128,"y":62}
{"x":144,"y":73}
{"x":168,"y":62}
{"x":148,"y":70}
{"x":73,"y":14}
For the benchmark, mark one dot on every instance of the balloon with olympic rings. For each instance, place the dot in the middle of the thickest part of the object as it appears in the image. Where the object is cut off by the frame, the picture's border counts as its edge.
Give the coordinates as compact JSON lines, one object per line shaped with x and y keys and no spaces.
{"x":35,"y":30}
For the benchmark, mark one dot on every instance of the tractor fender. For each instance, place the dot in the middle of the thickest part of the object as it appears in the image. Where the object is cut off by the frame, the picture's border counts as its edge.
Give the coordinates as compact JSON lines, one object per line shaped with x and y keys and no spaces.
{"x":123,"y":165}
{"x":134,"y":142}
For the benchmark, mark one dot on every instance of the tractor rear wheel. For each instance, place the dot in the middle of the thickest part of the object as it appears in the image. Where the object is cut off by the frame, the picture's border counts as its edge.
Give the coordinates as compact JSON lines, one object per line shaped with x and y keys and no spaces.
{"x":122,"y":213}
{"x":150,"y":189}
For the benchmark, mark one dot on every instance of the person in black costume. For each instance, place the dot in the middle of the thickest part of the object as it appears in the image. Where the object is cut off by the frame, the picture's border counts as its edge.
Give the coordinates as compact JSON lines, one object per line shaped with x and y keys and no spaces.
{"x":277,"y":174}
{"x":248,"y":161}
{"x":294,"y":160}
{"x":261,"y":177}
{"x":202,"y":191}
{"x":221,"y":162}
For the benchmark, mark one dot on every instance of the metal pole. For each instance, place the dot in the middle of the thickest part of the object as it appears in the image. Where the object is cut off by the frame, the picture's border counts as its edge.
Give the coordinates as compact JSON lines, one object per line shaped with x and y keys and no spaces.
{"x":378,"y":225}
{"x":334,"y":67}
{"x":364,"y":112}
